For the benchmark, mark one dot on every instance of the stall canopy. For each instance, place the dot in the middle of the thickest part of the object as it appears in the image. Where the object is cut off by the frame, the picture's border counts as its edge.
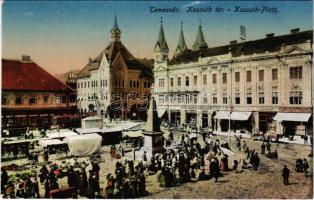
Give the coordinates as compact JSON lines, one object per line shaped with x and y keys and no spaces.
{"x":133,"y":134}
{"x":84,"y":145}
{"x":293,"y":117}
{"x":62,"y":134}
{"x":240,"y":116}
{"x":46,"y":143}
{"x":222,"y":115}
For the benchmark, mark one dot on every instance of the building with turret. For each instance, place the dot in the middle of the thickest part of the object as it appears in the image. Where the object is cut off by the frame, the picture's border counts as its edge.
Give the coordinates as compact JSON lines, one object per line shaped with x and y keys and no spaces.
{"x":260,"y":85}
{"x":114,"y":82}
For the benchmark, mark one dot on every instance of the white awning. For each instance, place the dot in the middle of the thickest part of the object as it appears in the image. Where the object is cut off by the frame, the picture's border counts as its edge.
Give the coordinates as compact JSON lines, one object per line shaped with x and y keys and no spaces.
{"x":293,"y":117}
{"x":240,"y":116}
{"x":133,"y":134}
{"x":61,"y":134}
{"x":222,"y":115}
{"x":161,"y":112}
{"x":45,"y":143}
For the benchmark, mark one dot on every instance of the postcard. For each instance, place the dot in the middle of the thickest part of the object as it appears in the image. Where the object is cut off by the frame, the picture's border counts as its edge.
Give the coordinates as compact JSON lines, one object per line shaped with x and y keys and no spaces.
{"x":157,"y":99}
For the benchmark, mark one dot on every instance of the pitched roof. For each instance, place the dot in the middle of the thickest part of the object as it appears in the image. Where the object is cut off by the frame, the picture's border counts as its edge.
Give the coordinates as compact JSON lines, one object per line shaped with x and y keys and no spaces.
{"x":161,"y":41}
{"x":181,"y":47}
{"x":270,"y":44}
{"x":18,"y":75}
{"x":111,"y":52}
{"x":200,"y":42}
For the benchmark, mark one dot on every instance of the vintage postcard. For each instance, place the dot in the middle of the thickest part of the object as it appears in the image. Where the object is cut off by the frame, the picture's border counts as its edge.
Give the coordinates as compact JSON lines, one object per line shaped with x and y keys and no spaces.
{"x":157,"y":99}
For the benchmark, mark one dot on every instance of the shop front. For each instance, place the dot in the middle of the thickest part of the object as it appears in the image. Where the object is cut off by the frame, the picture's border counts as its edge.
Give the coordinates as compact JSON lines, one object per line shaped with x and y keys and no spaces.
{"x":290,"y":124}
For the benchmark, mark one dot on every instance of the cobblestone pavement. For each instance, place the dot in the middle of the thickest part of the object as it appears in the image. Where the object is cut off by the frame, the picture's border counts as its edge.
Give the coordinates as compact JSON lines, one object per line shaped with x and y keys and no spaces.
{"x":265,"y":183}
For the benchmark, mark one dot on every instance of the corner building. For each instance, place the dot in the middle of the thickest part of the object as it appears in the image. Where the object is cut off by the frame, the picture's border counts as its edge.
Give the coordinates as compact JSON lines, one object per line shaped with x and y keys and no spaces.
{"x":115,"y":82}
{"x":263,"y":84}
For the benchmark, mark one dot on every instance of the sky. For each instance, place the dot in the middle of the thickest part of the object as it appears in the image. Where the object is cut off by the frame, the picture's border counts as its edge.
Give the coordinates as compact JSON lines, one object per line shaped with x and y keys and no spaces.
{"x":62,"y":35}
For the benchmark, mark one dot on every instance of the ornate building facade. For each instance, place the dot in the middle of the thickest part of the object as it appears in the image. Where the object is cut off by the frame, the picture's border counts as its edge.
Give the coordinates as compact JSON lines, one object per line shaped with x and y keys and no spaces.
{"x":31,"y":97}
{"x":263,"y":84}
{"x":114,"y":82}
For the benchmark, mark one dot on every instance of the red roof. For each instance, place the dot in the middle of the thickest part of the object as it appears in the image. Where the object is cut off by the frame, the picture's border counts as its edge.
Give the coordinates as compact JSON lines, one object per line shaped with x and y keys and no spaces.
{"x":17,"y":75}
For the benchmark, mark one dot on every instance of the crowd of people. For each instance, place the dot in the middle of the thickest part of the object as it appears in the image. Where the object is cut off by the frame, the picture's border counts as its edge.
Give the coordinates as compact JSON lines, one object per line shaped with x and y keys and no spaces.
{"x":173,"y":167}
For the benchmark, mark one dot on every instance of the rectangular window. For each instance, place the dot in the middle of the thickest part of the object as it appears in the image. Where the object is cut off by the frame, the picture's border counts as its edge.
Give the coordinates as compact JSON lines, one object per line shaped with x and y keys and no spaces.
{"x":237,"y":98}
{"x":85,"y":84}
{"x":58,"y":99}
{"x":18,"y":100}
{"x":195,"y":80}
{"x":249,"y":98}
{"x":78,"y":85}
{"x":249,"y":76}
{"x":32,"y":100}
{"x":296,"y":97}
{"x":161,"y":99}
{"x":214,"y":78}
{"x":144,"y":84}
{"x":224,"y":78}
{"x":204,"y":79}
{"x":214,"y":99}
{"x":179,"y":81}
{"x":137,"y":84}
{"x":130,"y":85}
{"x":224,"y":99}
{"x":64,"y":99}
{"x":274,"y":97}
{"x":195,"y":99}
{"x":274,"y":74}
{"x":237,"y":77}
{"x":4,"y":100}
{"x":261,"y":75}
{"x":45,"y":99}
{"x":105,"y":82}
{"x":261,"y":98}
{"x":187,"y":99}
{"x":171,"y":82}
{"x":295,"y":72}
{"x":187,"y":81}
{"x":161,"y":82}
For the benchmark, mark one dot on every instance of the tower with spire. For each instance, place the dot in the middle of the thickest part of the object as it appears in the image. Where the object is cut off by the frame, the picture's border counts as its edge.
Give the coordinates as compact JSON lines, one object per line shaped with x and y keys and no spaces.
{"x":115,"y":31}
{"x":181,"y":47}
{"x":200,"y":42}
{"x":161,"y":49}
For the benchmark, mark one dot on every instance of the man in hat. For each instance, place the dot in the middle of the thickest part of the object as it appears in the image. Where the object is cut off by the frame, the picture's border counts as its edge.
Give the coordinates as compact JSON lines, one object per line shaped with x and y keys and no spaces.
{"x":285,"y":175}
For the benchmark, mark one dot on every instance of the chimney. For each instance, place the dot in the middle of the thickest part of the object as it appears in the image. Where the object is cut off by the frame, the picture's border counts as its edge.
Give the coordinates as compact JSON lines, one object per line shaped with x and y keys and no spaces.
{"x":26,"y":58}
{"x":296,"y":30}
{"x":233,"y":42}
{"x":90,"y":60}
{"x":270,"y":35}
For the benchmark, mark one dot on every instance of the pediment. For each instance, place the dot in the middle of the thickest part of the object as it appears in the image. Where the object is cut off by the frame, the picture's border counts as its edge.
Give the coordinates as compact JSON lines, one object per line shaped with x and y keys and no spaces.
{"x":160,"y":68}
{"x":213,"y":60}
{"x":294,"y":49}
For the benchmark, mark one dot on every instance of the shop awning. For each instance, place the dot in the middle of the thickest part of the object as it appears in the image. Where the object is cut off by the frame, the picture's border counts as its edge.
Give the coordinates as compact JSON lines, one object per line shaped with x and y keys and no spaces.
{"x":222,"y":115}
{"x":161,"y":112}
{"x":293,"y":117}
{"x":240,"y":116}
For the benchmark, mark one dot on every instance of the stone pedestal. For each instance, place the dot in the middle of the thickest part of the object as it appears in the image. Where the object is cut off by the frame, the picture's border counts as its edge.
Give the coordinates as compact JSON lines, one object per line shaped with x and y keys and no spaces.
{"x":153,"y":143}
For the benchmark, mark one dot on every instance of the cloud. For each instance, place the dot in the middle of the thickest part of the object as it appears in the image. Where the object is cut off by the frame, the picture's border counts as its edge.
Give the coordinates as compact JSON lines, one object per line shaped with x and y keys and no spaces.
{"x":193,"y":3}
